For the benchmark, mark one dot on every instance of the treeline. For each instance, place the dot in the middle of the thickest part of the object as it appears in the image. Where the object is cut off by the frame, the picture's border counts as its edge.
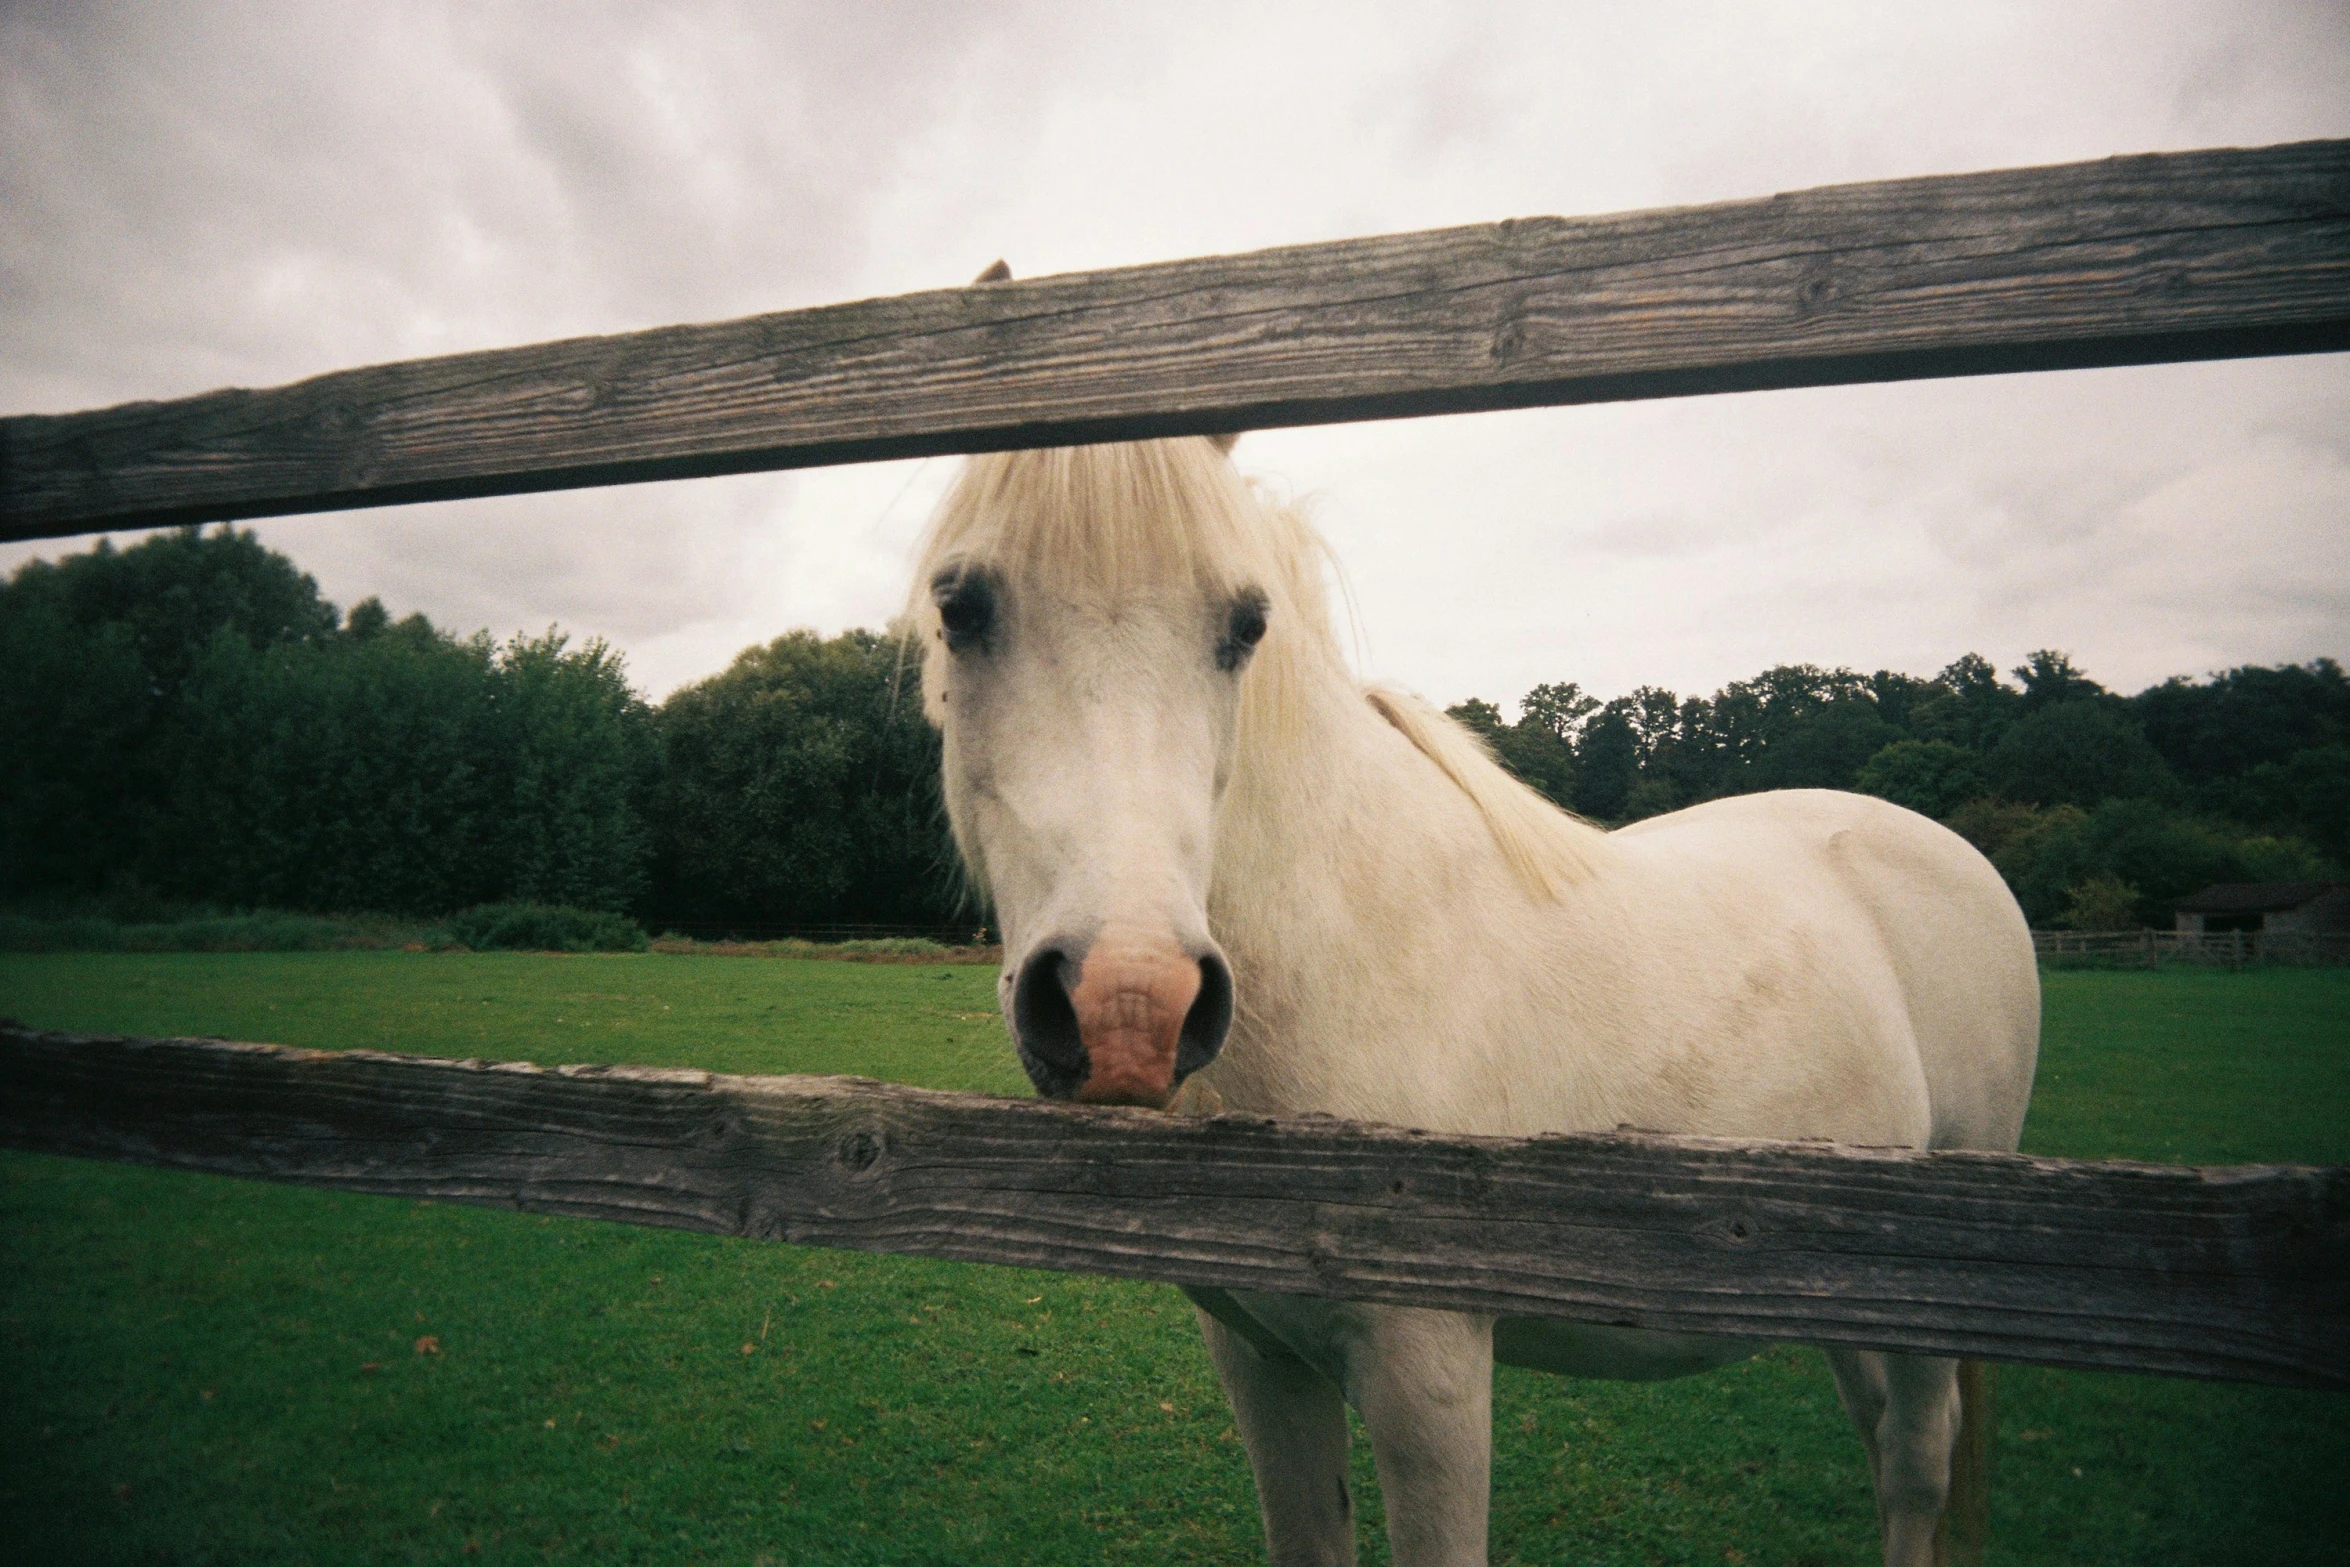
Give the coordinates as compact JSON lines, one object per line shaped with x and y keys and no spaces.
{"x":188,"y":720}
{"x":2100,"y":809}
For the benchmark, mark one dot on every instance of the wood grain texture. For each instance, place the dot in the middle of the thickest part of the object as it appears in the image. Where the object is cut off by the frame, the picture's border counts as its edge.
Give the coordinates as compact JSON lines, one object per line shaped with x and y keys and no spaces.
{"x":2131,"y":260}
{"x":2241,"y":1274}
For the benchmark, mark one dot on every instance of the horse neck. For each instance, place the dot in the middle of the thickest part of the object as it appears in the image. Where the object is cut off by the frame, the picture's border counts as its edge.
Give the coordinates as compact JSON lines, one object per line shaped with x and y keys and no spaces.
{"x":1344,"y":859}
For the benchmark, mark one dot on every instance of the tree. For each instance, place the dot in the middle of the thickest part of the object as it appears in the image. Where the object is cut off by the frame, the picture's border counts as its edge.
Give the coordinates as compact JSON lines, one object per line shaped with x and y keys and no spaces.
{"x":368,"y":618}
{"x":2213,"y":733}
{"x":2157,"y":849}
{"x":1932,"y":777}
{"x":2050,"y":678}
{"x":361,"y":775}
{"x":1607,"y":762}
{"x":2077,"y":753}
{"x":1991,"y":824}
{"x":76,"y":776}
{"x":800,"y":787}
{"x":1557,"y":708}
{"x":174,"y":592}
{"x":1823,"y":748}
{"x":94,"y":651}
{"x":583,"y":761}
{"x":1971,"y":709}
{"x":1537,"y":749}
{"x":187,"y":719}
{"x":407,"y":771}
{"x":1480,"y":718}
{"x":2308,"y":794}
{"x":1898,"y":696}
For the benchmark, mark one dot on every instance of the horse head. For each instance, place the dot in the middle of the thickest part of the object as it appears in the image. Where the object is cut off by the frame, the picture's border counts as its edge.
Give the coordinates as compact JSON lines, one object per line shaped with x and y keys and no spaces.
{"x":1088,"y":618}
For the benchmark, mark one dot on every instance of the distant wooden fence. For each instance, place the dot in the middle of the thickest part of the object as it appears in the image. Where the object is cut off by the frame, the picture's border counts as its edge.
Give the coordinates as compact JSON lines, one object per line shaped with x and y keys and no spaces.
{"x":2213,"y":949}
{"x":2238,"y":1273}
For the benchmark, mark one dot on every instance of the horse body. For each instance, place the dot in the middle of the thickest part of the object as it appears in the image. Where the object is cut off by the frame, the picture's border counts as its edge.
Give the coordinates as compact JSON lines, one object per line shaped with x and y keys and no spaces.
{"x":1227,"y":862}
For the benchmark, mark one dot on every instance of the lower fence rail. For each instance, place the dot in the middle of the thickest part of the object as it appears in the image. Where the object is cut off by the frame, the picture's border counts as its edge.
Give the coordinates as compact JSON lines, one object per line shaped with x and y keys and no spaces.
{"x":2239,"y":1273}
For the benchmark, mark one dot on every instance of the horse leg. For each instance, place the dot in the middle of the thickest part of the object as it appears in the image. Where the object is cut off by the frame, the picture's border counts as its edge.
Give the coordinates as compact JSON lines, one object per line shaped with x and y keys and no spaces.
{"x":1907,"y":1410}
{"x":1292,"y":1420}
{"x":1423,"y":1383}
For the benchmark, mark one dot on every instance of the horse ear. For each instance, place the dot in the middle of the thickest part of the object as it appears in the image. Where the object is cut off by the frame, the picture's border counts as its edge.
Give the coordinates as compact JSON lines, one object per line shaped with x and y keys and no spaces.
{"x":997,"y":272}
{"x":1226,"y":441}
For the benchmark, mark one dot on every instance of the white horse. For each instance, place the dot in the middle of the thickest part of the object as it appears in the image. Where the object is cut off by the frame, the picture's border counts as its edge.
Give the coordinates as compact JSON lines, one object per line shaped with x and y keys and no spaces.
{"x":1217,"y":857}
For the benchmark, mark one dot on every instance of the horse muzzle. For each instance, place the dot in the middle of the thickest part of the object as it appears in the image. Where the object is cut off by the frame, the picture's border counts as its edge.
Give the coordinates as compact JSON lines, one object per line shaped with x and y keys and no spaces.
{"x":1122,"y":1019}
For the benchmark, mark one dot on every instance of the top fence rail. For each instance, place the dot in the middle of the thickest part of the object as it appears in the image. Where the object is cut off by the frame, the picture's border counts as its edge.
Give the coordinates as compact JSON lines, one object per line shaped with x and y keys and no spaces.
{"x":2173,"y":256}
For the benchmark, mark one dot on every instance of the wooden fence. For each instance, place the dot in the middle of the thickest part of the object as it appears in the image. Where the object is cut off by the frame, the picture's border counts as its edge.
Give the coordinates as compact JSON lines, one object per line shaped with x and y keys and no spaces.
{"x":2240,"y":1273}
{"x":2236,"y":1273}
{"x":2210,"y":949}
{"x":2195,"y":255}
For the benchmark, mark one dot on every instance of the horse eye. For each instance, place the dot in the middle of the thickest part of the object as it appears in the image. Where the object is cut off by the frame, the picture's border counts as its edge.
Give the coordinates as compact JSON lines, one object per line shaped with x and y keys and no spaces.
{"x":966,"y":608}
{"x":1244,"y":628}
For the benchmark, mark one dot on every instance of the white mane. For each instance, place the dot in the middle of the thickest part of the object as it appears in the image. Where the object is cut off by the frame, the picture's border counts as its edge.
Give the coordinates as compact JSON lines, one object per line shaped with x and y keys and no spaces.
{"x":1103,"y":522}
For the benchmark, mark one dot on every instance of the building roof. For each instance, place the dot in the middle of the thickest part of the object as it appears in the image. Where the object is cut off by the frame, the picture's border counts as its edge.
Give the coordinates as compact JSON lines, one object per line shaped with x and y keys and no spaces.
{"x":2255,"y":897}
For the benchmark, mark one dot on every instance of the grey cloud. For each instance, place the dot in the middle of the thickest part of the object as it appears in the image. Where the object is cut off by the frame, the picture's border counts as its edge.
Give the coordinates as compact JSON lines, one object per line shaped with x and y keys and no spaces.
{"x":199,"y":196}
{"x":1662,"y":532}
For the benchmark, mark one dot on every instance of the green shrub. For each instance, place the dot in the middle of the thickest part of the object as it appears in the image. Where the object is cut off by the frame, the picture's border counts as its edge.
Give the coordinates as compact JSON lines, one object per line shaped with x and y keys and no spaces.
{"x":2101,"y":903}
{"x":893,"y":946}
{"x":545,"y":927}
{"x":205,"y":930}
{"x":81,"y":933}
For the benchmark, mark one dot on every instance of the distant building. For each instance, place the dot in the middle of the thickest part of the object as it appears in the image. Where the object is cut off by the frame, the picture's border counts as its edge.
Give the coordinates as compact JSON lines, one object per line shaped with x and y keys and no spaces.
{"x":2314,"y":906}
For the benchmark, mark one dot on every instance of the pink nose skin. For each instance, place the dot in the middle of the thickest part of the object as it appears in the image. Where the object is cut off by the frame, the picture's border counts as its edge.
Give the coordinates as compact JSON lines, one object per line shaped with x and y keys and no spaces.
{"x":1130,"y":1001}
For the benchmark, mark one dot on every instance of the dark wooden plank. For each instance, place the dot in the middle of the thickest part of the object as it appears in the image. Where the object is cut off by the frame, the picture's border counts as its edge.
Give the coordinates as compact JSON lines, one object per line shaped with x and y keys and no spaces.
{"x":2228,"y":1273}
{"x":2131,"y":260}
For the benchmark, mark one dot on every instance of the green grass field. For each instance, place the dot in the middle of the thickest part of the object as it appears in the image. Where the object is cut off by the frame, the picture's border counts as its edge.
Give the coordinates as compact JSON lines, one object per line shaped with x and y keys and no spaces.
{"x":200,"y":1370}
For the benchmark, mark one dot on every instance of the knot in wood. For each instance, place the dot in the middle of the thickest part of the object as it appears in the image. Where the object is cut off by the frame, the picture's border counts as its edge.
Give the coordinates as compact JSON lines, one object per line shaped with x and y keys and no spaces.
{"x":1509,"y":339}
{"x":1737,"y":1230}
{"x":1816,"y":290}
{"x":859,"y":1150}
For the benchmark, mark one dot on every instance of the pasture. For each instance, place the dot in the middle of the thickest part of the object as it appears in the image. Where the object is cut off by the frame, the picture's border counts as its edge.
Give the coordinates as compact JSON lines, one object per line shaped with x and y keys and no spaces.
{"x":204,"y":1370}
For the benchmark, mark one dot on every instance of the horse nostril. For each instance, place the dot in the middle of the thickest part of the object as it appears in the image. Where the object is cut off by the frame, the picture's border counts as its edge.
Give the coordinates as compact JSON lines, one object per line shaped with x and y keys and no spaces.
{"x":1209,"y":1019}
{"x":1044,"y":1024}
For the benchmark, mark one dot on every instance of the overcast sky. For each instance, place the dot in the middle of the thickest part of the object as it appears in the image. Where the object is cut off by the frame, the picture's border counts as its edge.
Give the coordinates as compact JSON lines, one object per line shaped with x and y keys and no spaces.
{"x":195,"y":196}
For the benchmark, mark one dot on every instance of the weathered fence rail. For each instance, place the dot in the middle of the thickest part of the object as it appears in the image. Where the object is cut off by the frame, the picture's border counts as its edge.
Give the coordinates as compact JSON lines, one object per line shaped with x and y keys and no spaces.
{"x":2242,"y":1274}
{"x":2131,"y":260}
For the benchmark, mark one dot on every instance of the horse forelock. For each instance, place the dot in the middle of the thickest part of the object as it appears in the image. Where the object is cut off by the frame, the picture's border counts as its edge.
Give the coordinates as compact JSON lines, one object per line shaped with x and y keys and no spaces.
{"x":1092,"y":523}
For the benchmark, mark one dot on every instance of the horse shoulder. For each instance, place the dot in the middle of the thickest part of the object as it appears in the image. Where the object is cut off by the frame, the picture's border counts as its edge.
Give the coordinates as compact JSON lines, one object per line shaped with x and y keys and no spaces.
{"x":1892,"y":921}
{"x":1772,"y":1007}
